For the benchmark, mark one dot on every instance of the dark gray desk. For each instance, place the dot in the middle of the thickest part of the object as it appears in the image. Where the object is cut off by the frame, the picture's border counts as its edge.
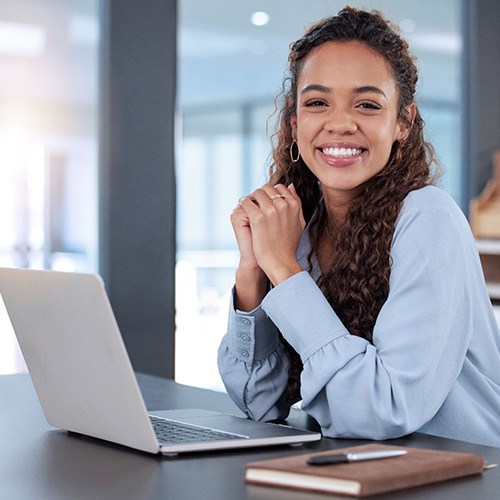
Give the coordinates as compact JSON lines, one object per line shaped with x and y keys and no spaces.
{"x":39,"y":462}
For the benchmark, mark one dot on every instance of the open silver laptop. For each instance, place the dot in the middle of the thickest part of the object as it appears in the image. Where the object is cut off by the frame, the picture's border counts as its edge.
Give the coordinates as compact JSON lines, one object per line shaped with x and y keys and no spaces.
{"x":84,"y":379}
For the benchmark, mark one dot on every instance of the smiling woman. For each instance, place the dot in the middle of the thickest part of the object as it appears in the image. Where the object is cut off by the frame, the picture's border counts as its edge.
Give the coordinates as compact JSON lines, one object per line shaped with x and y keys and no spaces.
{"x":229,"y":73}
{"x":346,"y":297}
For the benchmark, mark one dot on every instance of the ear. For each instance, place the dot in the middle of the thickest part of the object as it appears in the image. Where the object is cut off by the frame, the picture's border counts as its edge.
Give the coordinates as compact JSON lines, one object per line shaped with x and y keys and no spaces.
{"x":405,"y":124}
{"x":293,"y":125}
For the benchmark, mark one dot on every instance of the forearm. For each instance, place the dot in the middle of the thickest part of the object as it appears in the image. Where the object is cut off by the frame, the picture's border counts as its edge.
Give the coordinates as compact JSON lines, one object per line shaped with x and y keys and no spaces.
{"x":251,"y":287}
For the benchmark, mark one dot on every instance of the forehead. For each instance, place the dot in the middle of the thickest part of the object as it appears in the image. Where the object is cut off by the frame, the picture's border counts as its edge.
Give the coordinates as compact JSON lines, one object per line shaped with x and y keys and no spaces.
{"x":346,"y":64}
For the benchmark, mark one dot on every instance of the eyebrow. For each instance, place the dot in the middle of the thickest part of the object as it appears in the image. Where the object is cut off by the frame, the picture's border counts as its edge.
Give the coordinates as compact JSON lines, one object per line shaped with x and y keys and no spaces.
{"x":358,"y":90}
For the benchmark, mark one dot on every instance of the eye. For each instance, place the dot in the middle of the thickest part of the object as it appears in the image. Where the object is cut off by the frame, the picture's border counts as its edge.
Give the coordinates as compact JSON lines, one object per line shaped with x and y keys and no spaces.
{"x":369,"y":106}
{"x":315,"y":103}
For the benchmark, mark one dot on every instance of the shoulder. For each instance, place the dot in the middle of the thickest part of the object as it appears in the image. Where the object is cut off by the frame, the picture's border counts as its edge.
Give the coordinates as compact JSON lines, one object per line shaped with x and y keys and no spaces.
{"x":430,"y":198}
{"x":431,"y":213}
{"x":433,"y":205}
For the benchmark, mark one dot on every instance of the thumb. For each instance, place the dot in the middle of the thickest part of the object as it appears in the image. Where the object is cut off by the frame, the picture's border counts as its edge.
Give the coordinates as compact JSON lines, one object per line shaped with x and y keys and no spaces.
{"x":293,"y":192}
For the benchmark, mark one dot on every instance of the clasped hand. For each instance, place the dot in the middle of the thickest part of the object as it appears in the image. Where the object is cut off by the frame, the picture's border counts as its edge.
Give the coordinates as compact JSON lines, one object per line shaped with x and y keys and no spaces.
{"x":268,"y":225}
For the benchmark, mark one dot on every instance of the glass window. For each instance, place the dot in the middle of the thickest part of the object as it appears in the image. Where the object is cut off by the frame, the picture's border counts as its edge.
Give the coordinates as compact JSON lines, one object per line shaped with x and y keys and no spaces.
{"x":230,"y":70}
{"x":48,"y":141}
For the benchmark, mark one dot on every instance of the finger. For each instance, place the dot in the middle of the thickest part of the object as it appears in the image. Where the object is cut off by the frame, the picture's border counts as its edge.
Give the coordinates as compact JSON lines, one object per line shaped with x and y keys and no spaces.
{"x":250,"y":204}
{"x":280,"y":193}
{"x":293,"y":195}
{"x":281,"y":189}
{"x":264,"y":195}
{"x":238,"y":209}
{"x":240,"y":220}
{"x":276,"y":194}
{"x":291,"y":189}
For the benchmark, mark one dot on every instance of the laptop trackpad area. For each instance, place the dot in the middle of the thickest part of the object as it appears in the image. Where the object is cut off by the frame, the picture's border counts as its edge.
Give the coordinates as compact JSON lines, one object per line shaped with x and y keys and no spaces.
{"x":228,"y":423}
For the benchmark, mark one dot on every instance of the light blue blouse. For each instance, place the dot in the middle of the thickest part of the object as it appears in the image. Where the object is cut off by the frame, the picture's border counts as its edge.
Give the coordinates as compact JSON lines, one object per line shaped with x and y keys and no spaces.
{"x":433,"y":367}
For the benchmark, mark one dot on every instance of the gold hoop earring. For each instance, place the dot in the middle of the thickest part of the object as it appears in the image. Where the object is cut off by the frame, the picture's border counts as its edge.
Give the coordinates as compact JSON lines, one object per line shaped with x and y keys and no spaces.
{"x":296,"y":158}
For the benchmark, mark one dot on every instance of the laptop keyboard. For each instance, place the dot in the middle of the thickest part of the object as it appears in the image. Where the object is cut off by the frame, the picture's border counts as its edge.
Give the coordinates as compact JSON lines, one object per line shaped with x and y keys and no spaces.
{"x":171,"y":431}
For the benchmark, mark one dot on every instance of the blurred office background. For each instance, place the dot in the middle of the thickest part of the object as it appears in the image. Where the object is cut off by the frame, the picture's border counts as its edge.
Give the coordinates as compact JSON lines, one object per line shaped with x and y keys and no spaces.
{"x":230,"y":61}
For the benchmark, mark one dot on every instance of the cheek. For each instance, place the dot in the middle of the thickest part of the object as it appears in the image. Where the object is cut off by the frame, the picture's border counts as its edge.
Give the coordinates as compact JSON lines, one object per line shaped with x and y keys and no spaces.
{"x":384,"y":136}
{"x":307,"y":128}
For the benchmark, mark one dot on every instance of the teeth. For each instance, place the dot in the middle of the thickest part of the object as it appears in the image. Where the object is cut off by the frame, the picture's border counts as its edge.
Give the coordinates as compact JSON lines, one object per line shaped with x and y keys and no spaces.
{"x":342,"y":152}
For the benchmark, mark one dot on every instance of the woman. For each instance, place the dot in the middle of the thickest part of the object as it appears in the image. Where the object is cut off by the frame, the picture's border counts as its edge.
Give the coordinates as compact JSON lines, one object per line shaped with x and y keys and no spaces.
{"x":359,"y":288}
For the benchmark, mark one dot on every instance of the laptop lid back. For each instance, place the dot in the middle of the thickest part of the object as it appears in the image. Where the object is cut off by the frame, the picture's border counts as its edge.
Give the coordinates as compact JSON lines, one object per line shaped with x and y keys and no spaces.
{"x":76,"y":356}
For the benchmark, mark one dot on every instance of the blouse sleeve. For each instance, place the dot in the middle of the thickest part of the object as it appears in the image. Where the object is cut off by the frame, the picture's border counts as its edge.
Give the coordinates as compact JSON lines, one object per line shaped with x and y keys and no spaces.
{"x":254,"y":366}
{"x":395,"y":385}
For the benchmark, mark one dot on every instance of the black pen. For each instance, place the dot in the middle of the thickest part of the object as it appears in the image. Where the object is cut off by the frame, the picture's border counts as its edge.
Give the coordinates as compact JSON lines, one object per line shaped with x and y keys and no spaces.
{"x":340,"y":458}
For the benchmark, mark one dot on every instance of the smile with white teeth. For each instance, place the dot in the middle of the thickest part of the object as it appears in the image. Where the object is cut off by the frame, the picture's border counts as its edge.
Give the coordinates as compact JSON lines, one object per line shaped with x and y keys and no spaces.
{"x":342,"y":152}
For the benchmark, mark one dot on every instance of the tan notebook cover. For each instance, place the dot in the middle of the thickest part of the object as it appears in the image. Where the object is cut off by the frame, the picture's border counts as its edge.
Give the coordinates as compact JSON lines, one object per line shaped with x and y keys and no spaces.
{"x":418,"y":467}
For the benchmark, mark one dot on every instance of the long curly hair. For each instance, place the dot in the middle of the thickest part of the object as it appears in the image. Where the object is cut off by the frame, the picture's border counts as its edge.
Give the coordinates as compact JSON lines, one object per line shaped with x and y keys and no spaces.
{"x":357,"y":283}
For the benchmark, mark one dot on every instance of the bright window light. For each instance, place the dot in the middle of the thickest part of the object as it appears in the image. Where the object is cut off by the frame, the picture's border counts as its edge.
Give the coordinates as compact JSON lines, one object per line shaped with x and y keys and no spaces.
{"x":19,"y":39}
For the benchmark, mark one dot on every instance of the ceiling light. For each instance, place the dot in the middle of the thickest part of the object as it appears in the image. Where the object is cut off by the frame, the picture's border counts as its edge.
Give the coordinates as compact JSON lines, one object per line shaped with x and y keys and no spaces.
{"x":260,"y":18}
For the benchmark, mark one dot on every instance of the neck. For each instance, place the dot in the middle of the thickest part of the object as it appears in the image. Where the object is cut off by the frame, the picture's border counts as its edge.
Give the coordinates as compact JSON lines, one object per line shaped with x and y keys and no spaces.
{"x":335,"y":215}
{"x":336,"y":206}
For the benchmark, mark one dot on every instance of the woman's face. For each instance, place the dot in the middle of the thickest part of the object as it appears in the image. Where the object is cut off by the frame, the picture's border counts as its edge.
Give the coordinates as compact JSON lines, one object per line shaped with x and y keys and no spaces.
{"x":347,"y":116}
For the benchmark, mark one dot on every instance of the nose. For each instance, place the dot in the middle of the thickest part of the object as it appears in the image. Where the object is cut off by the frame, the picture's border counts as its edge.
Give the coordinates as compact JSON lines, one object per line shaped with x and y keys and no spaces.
{"x":340,"y":121}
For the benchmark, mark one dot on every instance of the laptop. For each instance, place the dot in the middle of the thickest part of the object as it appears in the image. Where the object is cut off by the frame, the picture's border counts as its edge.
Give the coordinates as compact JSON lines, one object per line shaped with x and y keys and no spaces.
{"x":84,"y":379}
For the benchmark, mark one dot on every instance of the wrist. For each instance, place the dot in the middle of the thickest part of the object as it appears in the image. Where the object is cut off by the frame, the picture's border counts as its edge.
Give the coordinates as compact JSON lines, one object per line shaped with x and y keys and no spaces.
{"x":280,"y":273}
{"x":249,"y":272}
{"x":251,"y":287}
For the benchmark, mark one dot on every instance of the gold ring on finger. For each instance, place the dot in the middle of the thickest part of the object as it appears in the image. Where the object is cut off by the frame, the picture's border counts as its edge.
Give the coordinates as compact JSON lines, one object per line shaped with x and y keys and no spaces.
{"x":276,"y":196}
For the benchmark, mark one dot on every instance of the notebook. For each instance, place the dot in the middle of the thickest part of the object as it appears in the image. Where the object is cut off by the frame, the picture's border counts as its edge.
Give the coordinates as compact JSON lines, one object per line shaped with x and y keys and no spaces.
{"x":84,"y":379}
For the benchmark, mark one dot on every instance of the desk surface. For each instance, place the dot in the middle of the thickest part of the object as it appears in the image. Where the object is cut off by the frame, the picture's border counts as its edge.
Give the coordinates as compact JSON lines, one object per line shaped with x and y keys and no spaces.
{"x":38,"y":461}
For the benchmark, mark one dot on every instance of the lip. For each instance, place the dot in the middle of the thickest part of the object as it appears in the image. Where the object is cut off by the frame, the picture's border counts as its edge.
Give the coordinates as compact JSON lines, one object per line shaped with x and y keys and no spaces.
{"x":337,"y":161}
